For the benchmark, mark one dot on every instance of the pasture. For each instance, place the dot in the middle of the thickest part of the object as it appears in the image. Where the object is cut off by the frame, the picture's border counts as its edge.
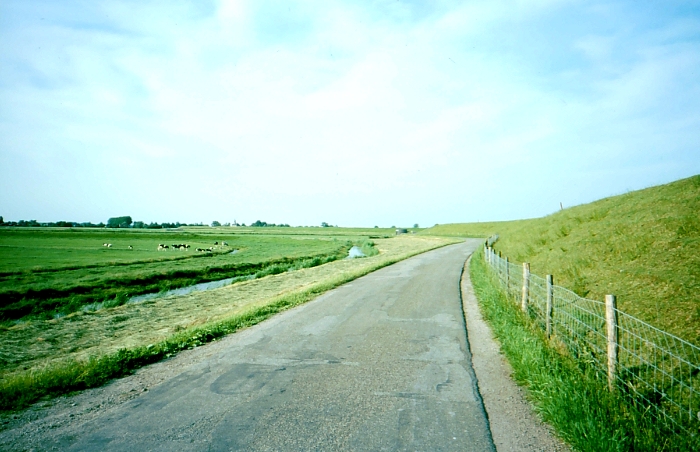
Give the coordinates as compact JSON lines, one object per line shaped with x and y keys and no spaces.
{"x":40,"y":249}
{"x":46,"y":273}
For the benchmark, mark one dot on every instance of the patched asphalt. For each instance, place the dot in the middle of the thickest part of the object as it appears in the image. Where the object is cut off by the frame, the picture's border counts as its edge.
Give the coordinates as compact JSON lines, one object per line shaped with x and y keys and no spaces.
{"x":381,"y":363}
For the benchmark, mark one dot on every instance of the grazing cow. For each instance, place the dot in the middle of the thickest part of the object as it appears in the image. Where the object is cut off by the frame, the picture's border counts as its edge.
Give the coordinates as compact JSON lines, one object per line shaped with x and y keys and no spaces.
{"x":104,"y":244}
{"x":216,"y":243}
{"x":109,"y":245}
{"x":130,"y":247}
{"x":224,"y":243}
{"x":162,"y":247}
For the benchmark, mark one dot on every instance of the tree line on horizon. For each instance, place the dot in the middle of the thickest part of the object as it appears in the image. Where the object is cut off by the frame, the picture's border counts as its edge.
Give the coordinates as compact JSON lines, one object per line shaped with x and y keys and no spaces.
{"x":125,"y":222}
{"x":112,"y":223}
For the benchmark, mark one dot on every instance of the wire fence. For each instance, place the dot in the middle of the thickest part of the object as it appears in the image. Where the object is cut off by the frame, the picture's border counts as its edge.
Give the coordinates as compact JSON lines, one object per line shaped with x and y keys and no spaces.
{"x":657,"y":371}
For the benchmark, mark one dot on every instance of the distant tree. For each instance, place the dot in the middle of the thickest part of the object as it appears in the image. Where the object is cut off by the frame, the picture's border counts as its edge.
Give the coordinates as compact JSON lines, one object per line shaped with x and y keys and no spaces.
{"x":139,"y":225}
{"x":324,"y":224}
{"x":415,"y":225}
{"x":393,"y":227}
{"x":1,"y":220}
{"x":30,"y":223}
{"x":376,"y":227}
{"x":215,"y":224}
{"x":119,"y":222}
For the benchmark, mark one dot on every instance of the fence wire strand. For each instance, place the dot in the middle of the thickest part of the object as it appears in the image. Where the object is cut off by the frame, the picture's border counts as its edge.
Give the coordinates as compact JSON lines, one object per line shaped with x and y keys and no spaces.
{"x":656,"y":370}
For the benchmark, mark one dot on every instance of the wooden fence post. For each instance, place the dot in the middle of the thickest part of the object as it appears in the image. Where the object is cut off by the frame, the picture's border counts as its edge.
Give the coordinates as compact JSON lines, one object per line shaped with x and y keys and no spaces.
{"x":550,"y":302}
{"x":526,"y":286}
{"x":507,"y":277}
{"x":612,"y":332}
{"x":500,"y":268}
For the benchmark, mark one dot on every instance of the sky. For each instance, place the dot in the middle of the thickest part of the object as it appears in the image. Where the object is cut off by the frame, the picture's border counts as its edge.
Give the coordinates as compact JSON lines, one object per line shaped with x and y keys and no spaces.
{"x":355,"y":113}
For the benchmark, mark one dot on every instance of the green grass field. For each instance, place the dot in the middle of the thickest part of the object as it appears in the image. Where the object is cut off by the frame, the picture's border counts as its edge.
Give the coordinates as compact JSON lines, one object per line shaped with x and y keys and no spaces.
{"x":643,"y":246}
{"x":86,"y":348}
{"x":40,"y":249}
{"x":51,"y":272}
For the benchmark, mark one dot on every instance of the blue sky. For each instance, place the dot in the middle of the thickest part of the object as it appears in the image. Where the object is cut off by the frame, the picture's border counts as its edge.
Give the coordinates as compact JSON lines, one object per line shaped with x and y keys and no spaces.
{"x":354,"y":113}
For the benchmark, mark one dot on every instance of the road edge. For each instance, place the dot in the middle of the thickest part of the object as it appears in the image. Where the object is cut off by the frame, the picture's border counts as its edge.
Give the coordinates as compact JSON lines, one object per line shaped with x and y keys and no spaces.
{"x":514,"y":425}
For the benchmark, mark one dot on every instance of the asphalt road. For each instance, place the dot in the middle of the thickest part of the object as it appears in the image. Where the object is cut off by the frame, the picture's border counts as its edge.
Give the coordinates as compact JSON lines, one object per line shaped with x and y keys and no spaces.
{"x":381,"y":363}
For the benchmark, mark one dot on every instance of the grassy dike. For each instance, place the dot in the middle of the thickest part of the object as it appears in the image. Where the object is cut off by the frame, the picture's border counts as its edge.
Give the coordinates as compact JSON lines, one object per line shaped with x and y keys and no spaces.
{"x":567,"y":395}
{"x":18,"y":390}
{"x":643,"y":246}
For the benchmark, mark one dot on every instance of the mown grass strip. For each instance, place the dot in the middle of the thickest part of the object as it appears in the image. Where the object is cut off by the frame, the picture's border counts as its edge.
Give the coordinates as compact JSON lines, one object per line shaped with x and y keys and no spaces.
{"x":19,"y":391}
{"x":568,"y":395}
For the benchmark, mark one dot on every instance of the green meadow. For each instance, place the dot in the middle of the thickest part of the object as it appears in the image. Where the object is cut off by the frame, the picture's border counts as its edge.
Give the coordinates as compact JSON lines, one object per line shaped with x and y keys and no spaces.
{"x":45,"y":273}
{"x":53,"y":350}
{"x":642,"y":246}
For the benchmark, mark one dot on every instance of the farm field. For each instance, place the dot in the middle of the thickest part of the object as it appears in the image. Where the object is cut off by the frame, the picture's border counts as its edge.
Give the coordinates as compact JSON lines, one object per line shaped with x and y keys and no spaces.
{"x":301,"y":231}
{"x":33,"y":348}
{"x":41,"y":249}
{"x":643,"y":246}
{"x":48,"y":273}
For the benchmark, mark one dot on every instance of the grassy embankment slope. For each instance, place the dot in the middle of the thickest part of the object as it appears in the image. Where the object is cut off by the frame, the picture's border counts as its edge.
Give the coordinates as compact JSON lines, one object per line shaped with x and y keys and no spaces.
{"x":87,"y":348}
{"x":643,"y":246}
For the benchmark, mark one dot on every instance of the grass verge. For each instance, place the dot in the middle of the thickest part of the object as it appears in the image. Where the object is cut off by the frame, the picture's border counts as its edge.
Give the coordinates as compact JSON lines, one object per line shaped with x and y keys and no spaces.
{"x":20,"y":390}
{"x":571,"y":397}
